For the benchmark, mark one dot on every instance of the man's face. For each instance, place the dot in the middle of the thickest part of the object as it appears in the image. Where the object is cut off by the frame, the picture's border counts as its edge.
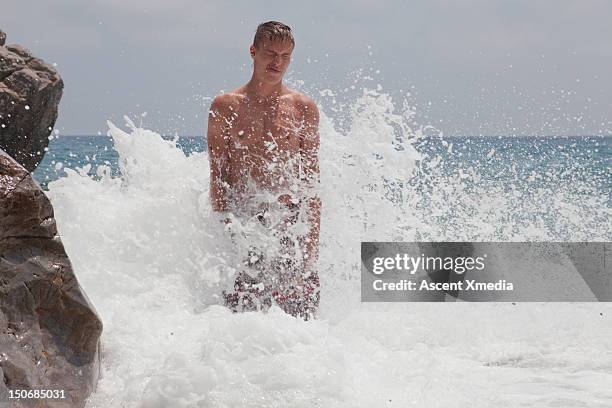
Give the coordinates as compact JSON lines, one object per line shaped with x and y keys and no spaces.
{"x":271,"y":59}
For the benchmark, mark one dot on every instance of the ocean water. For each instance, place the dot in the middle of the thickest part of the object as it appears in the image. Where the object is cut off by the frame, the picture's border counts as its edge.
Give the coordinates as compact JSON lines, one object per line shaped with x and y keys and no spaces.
{"x":133,"y":212}
{"x":515,"y":161}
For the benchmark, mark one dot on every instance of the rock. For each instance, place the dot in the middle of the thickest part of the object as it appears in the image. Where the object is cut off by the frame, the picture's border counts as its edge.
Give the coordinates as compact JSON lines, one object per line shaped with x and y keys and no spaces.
{"x":2,"y":38}
{"x":49,"y":332}
{"x":30,"y":92}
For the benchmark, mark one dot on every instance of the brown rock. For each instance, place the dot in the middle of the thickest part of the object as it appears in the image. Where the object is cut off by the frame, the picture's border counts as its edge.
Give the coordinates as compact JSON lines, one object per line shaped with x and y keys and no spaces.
{"x":49,"y":332}
{"x":30,"y":92}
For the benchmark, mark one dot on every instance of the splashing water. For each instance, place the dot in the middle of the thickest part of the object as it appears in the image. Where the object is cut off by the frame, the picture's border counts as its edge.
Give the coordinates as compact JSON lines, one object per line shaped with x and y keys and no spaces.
{"x":152,"y":257}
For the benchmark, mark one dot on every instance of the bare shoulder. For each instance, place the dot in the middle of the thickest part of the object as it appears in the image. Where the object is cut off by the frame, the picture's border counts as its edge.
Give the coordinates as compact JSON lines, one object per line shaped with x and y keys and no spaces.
{"x":226,"y":102}
{"x":301,"y":99}
{"x":305,"y":104}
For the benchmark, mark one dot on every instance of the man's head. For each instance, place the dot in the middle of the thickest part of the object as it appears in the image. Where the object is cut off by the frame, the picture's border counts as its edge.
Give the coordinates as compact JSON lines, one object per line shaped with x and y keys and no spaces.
{"x":271,"y":51}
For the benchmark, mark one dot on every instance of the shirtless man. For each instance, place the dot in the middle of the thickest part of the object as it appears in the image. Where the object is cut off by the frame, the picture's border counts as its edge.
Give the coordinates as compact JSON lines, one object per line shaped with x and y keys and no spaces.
{"x":264,"y":136}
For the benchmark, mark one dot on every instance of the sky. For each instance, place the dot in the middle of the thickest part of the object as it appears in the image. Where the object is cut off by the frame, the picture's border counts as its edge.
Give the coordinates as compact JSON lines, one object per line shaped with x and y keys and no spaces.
{"x":471,"y":67}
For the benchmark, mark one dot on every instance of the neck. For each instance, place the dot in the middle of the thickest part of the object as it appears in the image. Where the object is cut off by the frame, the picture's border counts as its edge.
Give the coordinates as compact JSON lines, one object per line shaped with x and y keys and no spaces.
{"x":261,"y":90}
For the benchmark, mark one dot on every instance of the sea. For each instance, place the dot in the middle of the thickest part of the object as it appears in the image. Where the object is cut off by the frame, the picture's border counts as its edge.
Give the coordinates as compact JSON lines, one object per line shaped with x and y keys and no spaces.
{"x":133,"y":213}
{"x":515,"y":161}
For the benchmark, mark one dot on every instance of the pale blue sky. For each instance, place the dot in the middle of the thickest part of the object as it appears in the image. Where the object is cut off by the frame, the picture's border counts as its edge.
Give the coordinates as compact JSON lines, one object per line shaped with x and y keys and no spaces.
{"x":473,"y":67}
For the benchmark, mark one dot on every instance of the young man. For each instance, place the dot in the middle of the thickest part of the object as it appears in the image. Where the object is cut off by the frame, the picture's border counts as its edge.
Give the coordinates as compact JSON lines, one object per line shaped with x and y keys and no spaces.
{"x":263,"y":143}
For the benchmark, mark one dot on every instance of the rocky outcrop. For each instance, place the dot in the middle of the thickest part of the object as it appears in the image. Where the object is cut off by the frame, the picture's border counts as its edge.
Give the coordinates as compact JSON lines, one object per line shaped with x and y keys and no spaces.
{"x":30,"y":92}
{"x":49,"y":332}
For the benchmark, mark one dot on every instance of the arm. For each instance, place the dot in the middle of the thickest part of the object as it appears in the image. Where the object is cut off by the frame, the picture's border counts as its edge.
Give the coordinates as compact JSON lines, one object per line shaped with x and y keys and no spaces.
{"x":309,"y":150}
{"x":218,"y":155}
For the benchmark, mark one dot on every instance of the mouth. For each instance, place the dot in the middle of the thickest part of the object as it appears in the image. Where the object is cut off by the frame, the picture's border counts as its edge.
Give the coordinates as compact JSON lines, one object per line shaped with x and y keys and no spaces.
{"x":273,"y":70}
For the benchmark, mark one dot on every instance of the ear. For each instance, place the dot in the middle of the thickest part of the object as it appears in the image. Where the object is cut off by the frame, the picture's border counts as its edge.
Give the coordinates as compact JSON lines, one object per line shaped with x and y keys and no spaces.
{"x":252,"y":50}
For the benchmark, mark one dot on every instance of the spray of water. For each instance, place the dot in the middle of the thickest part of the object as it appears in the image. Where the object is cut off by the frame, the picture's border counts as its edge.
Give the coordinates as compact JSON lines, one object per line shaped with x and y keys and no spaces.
{"x":153,"y":258}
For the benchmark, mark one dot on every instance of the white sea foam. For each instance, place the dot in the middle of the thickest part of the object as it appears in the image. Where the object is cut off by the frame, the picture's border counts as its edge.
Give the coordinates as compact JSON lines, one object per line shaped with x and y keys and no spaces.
{"x":153,"y":258}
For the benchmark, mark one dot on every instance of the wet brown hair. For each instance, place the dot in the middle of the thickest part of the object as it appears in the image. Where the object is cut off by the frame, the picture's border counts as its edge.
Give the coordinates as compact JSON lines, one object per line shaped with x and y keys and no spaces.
{"x":273,"y":31}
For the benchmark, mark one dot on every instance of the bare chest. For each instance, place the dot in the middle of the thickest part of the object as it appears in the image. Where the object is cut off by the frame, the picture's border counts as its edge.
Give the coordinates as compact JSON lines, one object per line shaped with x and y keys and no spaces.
{"x":265,"y":133}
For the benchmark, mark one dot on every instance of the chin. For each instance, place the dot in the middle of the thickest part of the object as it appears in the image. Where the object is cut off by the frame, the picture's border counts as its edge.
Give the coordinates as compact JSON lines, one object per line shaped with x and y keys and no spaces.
{"x":275,"y":78}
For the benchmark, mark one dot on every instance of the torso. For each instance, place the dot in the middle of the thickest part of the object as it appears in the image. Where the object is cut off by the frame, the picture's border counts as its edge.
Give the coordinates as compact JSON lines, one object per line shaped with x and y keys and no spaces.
{"x":263,"y":144}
